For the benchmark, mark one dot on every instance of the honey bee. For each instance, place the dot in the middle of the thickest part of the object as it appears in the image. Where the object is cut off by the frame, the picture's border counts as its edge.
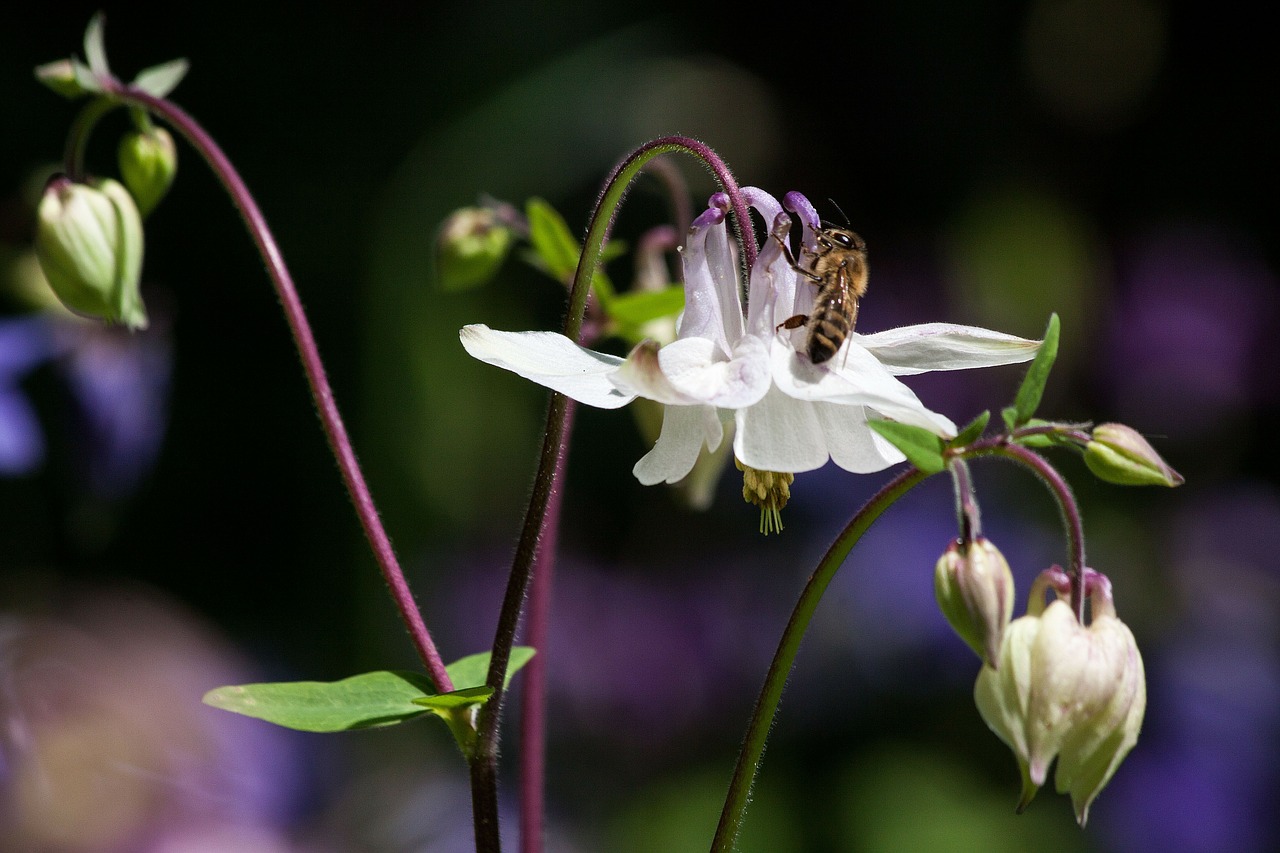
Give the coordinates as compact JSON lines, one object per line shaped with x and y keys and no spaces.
{"x":839,"y":267}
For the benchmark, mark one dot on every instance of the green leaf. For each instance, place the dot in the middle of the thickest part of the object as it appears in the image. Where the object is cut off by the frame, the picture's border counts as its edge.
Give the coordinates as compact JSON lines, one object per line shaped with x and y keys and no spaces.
{"x":1049,"y":439}
{"x":448,"y":702}
{"x":557,"y":250}
{"x":85,"y":77}
{"x":160,"y":80}
{"x":632,"y":310}
{"x":95,"y":50}
{"x":472,"y":670}
{"x":361,"y":701}
{"x":972,"y":431}
{"x":1032,"y":388}
{"x":922,"y":448}
{"x":1010,"y":417}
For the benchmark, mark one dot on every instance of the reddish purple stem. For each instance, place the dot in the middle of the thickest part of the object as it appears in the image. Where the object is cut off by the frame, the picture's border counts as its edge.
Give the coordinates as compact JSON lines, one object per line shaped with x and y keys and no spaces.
{"x":334,"y":428}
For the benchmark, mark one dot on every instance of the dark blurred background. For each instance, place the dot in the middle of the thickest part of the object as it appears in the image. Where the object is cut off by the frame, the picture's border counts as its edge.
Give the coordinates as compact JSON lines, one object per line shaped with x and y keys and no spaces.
{"x":170,"y":519}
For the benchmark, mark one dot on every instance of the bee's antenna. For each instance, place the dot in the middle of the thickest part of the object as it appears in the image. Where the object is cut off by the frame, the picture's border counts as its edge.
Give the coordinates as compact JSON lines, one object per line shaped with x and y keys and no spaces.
{"x":842,"y":213}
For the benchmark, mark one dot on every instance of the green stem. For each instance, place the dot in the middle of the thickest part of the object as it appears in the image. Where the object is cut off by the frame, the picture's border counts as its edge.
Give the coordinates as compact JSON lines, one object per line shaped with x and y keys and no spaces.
{"x":78,"y":137}
{"x":484,"y":765}
{"x":771,"y":694}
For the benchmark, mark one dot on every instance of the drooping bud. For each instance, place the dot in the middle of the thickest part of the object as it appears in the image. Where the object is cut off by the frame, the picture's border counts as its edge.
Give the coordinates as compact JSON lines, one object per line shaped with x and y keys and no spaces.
{"x":974,"y":588}
{"x":769,"y":490}
{"x":89,"y":242}
{"x":472,"y":244}
{"x":1119,"y":454}
{"x":148,"y":162}
{"x":1068,"y":692}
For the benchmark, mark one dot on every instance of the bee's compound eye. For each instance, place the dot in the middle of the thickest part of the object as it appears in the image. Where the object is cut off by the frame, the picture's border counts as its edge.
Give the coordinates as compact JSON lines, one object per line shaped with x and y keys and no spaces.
{"x":844,"y":238}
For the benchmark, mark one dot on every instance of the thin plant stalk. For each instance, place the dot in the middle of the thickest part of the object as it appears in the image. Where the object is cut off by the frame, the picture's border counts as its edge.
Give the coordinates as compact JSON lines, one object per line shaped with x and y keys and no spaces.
{"x":766,"y":707}
{"x":533,"y":704}
{"x":484,"y":763}
{"x":334,"y":428}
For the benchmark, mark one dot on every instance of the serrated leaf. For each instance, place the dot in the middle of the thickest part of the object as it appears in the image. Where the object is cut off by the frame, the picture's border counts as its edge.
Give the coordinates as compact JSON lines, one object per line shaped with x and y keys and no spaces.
{"x":644,"y":306}
{"x":160,"y":80}
{"x":922,"y":448}
{"x":95,"y":49}
{"x":972,"y":430}
{"x":472,"y":670}
{"x":1032,"y":388}
{"x":361,"y":701}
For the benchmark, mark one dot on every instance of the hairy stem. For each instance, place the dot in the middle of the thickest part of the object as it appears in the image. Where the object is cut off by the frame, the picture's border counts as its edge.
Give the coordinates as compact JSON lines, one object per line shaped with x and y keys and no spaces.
{"x":334,"y":428}
{"x":1067,"y":506}
{"x":484,"y":768}
{"x":780,"y":668}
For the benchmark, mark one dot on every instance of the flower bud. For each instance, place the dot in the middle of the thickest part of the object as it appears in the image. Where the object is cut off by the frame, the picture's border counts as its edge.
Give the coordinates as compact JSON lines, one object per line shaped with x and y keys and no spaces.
{"x":472,"y":244}
{"x":1068,"y":692}
{"x":148,"y":161}
{"x":89,"y":242}
{"x":1119,"y":454}
{"x":974,"y":588}
{"x":61,"y":76}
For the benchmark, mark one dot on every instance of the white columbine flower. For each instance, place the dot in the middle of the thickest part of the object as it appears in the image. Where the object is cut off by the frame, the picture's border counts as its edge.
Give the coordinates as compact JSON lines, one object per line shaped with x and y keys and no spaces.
{"x":791,"y":415}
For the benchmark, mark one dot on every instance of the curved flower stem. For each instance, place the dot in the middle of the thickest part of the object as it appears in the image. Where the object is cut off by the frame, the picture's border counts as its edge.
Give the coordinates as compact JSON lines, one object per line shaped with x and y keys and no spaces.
{"x":1070,"y":510}
{"x":771,"y":694}
{"x":78,"y":137}
{"x":334,"y":428}
{"x":484,"y":763}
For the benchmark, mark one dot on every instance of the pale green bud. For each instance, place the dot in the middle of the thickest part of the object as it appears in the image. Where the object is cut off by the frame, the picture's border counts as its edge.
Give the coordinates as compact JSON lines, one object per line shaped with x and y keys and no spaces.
{"x":1068,"y":692}
{"x":89,"y":242}
{"x":1119,"y":454}
{"x":974,"y":588}
{"x":472,"y":245}
{"x":62,"y":77}
{"x":148,"y":162}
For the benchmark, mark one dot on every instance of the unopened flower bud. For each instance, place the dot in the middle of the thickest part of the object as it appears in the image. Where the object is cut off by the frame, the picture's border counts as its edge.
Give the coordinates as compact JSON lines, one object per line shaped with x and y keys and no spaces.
{"x":89,"y":242}
{"x":974,"y":588}
{"x":61,"y":76}
{"x":1119,"y":454}
{"x":1068,"y":692}
{"x":148,"y":162}
{"x":472,"y":245}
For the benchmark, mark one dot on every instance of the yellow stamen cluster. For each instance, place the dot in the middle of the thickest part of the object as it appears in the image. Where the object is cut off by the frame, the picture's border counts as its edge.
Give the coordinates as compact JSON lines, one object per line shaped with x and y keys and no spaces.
{"x":769,"y":490}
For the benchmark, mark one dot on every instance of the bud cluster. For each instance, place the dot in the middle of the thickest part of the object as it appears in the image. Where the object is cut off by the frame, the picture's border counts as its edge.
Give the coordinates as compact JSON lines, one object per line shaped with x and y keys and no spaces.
{"x":1068,"y":691}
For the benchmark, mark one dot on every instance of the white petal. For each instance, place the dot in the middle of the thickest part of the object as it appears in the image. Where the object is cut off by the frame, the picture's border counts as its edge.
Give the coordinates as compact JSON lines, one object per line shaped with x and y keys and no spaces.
{"x":688,"y":372}
{"x":552,"y":360}
{"x":944,"y":346}
{"x":712,"y":303}
{"x":780,"y":434}
{"x":853,"y":445}
{"x":685,"y":429}
{"x":854,"y":378}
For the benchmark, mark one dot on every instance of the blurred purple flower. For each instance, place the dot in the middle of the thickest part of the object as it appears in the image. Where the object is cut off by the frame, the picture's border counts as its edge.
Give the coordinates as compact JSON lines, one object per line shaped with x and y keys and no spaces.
{"x":1204,"y":776}
{"x":119,"y":389}
{"x":1195,"y":309}
{"x":105,"y":747}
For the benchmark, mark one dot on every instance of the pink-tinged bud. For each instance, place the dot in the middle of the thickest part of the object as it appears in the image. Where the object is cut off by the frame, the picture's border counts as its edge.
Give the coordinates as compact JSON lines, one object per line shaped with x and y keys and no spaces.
{"x":1068,"y":692}
{"x":974,"y":588}
{"x":1119,"y":454}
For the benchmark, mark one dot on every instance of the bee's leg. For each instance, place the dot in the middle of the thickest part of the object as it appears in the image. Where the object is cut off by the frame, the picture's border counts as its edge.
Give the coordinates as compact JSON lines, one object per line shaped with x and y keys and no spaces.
{"x":791,"y":262}
{"x":793,"y":322}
